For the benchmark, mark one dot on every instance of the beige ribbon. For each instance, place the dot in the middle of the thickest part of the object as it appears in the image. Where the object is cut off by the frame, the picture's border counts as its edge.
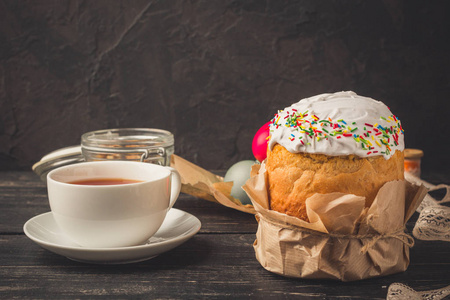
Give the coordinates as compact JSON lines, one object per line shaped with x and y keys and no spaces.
{"x":399,"y":234}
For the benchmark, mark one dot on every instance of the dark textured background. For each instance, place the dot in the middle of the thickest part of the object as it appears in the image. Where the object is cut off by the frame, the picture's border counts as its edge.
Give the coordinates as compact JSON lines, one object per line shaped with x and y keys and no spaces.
{"x":213,"y":72}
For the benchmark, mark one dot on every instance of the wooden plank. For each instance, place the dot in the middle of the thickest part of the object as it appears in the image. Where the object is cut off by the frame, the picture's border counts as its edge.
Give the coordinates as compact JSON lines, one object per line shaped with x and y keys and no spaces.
{"x":24,"y":196}
{"x":214,"y":217}
{"x":207,"y":266}
{"x":219,"y":262}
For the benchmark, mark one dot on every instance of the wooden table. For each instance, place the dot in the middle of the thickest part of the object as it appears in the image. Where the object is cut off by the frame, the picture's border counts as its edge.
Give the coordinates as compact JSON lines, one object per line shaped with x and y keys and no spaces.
{"x":218,"y":262}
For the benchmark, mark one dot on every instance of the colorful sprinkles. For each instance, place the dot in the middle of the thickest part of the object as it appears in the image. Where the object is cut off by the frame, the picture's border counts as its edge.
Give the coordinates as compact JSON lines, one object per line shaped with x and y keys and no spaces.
{"x":317,"y":129}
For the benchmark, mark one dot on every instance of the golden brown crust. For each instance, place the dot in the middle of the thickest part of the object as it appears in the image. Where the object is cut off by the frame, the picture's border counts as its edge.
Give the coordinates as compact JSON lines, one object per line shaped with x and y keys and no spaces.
{"x":294,"y":177}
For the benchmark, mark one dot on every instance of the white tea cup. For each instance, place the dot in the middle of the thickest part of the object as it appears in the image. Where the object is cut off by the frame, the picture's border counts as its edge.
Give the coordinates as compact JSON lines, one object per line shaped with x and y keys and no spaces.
{"x":110,"y":214}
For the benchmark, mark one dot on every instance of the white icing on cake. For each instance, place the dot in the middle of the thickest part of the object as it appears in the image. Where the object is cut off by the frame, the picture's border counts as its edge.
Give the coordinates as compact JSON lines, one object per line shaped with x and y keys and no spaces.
{"x":342,"y":123}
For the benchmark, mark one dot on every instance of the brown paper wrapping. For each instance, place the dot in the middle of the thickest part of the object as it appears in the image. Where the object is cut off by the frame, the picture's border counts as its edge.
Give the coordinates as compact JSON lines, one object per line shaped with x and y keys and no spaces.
{"x":203,"y":184}
{"x":343,"y":240}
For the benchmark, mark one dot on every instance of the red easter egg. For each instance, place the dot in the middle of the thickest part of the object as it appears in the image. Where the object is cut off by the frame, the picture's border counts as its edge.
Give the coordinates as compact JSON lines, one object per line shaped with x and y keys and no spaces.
{"x":259,"y":144}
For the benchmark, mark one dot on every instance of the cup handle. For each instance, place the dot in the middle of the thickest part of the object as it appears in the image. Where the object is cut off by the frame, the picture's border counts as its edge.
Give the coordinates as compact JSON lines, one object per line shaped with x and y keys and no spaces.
{"x":176,"y":186}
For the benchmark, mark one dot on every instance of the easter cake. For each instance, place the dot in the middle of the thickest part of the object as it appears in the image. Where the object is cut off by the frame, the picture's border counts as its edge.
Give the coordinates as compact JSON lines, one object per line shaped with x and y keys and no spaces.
{"x":339,"y":142}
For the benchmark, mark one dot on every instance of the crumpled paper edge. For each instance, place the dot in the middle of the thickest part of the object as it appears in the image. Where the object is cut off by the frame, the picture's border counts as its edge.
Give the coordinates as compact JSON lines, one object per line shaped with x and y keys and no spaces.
{"x":203,"y":184}
{"x":282,"y":234}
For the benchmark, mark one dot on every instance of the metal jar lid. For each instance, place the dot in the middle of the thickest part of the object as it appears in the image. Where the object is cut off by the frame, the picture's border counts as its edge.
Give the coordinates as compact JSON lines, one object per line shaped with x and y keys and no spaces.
{"x":58,"y":158}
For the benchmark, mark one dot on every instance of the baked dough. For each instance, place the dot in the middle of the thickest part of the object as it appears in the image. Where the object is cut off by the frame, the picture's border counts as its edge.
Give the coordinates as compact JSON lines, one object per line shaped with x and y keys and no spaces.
{"x":293,"y":177}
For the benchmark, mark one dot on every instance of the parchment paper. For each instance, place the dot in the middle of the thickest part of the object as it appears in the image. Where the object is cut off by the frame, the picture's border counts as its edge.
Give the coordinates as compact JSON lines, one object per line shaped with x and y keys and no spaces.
{"x":203,"y":184}
{"x":344,"y":240}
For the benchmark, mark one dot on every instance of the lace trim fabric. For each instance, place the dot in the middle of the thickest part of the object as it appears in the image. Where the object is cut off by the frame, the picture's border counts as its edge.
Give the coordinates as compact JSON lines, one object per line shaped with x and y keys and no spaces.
{"x":399,"y":291}
{"x":433,"y":223}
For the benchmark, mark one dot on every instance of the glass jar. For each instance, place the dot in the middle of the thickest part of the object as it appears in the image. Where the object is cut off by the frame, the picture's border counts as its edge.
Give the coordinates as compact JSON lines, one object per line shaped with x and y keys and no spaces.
{"x":137,"y":144}
{"x":412,"y":161}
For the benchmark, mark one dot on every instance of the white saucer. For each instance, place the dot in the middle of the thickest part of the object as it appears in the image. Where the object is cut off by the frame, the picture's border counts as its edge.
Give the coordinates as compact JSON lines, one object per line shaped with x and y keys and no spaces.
{"x":178,"y":227}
